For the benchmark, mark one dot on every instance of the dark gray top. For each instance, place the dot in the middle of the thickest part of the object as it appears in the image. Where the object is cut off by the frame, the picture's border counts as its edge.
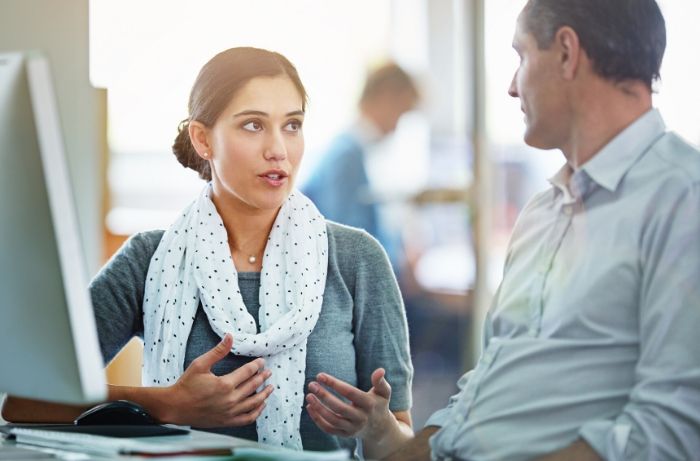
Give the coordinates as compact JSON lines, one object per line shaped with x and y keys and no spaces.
{"x":362,"y":325}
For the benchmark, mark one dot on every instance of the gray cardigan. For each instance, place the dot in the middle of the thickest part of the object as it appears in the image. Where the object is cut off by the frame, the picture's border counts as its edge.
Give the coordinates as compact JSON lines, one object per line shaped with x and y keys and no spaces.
{"x":362,"y":325}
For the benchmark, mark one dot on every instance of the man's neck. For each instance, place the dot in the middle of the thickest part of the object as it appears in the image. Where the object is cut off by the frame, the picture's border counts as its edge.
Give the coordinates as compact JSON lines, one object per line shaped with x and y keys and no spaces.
{"x":601,"y":113}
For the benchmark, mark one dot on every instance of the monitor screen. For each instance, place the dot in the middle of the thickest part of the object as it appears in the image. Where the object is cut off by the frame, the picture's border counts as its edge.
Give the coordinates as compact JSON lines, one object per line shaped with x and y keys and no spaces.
{"x":48,"y":341}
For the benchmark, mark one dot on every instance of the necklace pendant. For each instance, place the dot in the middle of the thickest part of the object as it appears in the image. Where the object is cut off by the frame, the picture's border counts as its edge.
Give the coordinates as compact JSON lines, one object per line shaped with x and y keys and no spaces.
{"x":252,"y":259}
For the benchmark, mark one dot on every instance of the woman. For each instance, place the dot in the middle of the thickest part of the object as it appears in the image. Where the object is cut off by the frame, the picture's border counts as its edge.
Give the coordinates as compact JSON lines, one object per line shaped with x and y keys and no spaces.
{"x":251,"y":300}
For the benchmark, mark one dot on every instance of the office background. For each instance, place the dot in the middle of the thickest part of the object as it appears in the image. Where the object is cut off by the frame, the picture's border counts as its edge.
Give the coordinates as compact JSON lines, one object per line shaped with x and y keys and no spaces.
{"x":123,"y":71}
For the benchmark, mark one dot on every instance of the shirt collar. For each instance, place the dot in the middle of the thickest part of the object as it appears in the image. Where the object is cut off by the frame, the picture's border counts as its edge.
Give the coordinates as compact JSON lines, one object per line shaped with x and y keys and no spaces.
{"x":561,"y":179}
{"x":612,"y":162}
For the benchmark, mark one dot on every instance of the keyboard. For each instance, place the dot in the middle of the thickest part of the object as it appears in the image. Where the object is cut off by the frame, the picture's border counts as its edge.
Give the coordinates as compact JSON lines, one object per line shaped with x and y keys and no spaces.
{"x":112,"y":446}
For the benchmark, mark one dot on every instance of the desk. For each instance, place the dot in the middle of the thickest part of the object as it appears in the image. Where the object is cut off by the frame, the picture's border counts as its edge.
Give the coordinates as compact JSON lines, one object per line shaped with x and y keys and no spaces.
{"x":194,"y":438}
{"x":175,"y":443}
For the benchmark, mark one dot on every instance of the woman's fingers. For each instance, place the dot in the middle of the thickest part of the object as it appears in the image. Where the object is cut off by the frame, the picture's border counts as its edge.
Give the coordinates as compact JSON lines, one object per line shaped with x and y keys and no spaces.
{"x":350,"y":392}
{"x":367,"y":411}
{"x":335,"y":404}
{"x":204,"y":362}
{"x":244,"y":373}
{"x":324,"y":425}
{"x":252,"y":384}
{"x":380,"y":385}
{"x":243,"y":419}
{"x":253,"y":401}
{"x":208,"y":400}
{"x":327,"y":420}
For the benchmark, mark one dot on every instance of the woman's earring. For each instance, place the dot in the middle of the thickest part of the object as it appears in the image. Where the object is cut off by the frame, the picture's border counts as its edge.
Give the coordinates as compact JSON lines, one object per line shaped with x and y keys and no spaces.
{"x":205,"y":155}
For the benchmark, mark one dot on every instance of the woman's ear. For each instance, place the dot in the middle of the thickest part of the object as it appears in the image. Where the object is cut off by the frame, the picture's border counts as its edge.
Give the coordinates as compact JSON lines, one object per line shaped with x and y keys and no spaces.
{"x":569,"y":47}
{"x":199,"y":137}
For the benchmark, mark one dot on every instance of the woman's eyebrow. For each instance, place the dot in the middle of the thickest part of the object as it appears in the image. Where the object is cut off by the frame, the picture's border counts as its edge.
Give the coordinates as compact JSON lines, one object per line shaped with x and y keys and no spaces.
{"x":265,"y":114}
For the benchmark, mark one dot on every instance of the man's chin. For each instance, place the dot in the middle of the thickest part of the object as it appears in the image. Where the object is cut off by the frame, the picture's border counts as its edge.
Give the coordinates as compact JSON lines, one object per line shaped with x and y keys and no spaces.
{"x":533,"y":139}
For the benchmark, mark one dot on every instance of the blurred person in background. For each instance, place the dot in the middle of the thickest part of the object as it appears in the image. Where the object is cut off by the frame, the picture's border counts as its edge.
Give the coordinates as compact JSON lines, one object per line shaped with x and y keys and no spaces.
{"x":590,"y":346}
{"x":339,"y":185}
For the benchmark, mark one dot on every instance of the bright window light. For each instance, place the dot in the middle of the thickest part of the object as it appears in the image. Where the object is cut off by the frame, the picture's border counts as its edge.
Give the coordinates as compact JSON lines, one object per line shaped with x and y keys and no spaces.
{"x":147,"y":55}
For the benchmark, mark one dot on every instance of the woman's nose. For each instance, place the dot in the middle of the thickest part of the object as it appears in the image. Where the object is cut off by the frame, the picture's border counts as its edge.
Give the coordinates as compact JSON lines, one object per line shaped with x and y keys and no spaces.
{"x":275,"y":149}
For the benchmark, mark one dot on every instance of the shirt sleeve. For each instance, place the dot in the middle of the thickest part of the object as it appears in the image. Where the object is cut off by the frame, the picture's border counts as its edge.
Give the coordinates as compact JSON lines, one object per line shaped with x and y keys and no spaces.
{"x":379,"y":321}
{"x":117,"y":295}
{"x":662,"y":417}
{"x":440,"y":417}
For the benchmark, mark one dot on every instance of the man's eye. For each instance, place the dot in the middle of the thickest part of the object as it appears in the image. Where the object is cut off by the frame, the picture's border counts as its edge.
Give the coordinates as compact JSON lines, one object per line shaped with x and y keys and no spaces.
{"x":253,"y":126}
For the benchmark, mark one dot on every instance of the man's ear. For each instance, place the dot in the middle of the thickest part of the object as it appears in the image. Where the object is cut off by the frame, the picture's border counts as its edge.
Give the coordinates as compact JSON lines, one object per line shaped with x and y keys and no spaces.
{"x":570,"y":52}
{"x":199,"y":137}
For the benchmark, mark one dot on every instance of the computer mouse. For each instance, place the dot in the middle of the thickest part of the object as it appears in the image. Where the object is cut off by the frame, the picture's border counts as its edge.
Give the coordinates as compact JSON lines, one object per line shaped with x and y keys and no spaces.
{"x":115,"y":413}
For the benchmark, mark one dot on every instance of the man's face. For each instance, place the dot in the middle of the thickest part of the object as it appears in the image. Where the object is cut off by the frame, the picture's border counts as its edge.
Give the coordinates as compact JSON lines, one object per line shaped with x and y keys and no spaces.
{"x":538,"y":85}
{"x":392,"y":105}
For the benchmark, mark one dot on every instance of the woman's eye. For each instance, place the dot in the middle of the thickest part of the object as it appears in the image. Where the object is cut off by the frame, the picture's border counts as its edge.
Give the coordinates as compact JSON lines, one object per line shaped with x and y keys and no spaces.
{"x":294,"y":125}
{"x":253,"y":126}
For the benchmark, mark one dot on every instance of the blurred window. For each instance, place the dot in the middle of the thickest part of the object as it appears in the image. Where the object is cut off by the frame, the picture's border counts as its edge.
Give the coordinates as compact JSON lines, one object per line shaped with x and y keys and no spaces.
{"x":147,"y":54}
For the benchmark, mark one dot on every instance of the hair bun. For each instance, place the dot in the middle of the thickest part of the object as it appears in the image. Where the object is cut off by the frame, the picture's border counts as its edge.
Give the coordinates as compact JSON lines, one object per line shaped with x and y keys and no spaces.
{"x":186,"y":154}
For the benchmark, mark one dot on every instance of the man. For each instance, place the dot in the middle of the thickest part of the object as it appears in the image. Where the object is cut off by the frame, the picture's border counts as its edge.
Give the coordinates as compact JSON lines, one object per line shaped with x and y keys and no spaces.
{"x":591,"y":345}
{"x":339,"y":186}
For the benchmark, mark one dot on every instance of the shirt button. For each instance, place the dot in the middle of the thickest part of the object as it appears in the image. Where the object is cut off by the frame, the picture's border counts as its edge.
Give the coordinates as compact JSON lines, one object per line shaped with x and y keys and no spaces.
{"x":567,"y":209}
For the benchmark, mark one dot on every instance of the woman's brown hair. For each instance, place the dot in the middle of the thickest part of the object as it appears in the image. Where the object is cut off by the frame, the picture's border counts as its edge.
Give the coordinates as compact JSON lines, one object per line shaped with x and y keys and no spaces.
{"x":215,"y":86}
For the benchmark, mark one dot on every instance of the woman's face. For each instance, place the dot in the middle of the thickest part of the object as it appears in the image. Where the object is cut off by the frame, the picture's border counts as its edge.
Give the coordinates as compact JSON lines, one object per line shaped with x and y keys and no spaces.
{"x":257,"y":144}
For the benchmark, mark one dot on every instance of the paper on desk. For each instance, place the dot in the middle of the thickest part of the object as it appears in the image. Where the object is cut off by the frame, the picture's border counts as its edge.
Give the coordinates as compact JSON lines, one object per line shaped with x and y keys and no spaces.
{"x":170,"y":447}
{"x":96,"y":444}
{"x":9,"y":452}
{"x":261,"y":454}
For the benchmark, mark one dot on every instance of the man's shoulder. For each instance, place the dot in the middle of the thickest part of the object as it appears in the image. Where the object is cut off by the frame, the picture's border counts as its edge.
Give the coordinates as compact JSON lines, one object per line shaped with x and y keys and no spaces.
{"x":677,"y":158}
{"x":538,"y":200}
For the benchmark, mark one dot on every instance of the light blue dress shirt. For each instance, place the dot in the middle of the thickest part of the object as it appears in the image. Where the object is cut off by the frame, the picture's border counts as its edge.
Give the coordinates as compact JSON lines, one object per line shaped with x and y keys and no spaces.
{"x":594,"y":332}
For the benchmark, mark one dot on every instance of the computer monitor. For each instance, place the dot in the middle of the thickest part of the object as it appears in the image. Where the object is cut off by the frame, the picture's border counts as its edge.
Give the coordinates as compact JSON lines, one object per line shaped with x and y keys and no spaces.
{"x":48,"y":341}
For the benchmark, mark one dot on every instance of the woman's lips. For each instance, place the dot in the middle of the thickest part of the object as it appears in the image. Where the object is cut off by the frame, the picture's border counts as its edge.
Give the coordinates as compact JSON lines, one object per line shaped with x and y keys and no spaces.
{"x":274,"y":179}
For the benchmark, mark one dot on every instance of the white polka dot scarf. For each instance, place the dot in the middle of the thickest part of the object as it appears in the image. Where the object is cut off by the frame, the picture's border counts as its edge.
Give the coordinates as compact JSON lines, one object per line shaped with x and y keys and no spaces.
{"x":193,"y":263}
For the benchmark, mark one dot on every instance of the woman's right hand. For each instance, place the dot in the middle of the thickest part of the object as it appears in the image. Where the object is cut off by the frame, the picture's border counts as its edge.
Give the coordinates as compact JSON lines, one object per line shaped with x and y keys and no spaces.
{"x":202,"y":399}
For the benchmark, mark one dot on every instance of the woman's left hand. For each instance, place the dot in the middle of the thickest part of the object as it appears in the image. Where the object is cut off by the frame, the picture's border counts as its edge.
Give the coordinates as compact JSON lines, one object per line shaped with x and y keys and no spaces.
{"x":366,"y":415}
